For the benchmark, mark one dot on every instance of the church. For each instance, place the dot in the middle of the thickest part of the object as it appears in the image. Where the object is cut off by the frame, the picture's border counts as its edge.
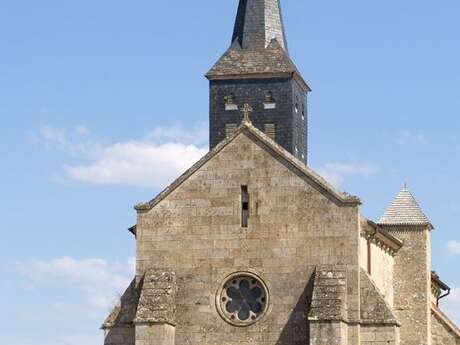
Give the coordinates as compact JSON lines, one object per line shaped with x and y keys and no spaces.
{"x":250,"y":246}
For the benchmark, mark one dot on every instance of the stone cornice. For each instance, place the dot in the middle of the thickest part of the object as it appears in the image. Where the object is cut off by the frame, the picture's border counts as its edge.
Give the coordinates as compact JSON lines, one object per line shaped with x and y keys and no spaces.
{"x":269,"y":75}
{"x":382,"y":238}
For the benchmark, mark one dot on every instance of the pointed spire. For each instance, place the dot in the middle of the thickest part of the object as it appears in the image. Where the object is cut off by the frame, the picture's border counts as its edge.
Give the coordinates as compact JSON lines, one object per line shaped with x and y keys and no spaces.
{"x":404,"y":210}
{"x":257,"y":23}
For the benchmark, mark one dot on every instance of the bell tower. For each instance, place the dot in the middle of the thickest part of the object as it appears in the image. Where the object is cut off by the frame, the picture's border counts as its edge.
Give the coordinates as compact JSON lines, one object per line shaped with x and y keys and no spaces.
{"x":257,"y":70}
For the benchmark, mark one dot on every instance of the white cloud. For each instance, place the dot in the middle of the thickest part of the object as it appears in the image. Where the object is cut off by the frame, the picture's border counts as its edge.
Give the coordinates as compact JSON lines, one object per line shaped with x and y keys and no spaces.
{"x":55,"y":137}
{"x":411,"y":137}
{"x":63,"y":140}
{"x":451,"y":304}
{"x":81,"y":130}
{"x":196,"y":135}
{"x":138,"y":164}
{"x":453,"y":247}
{"x":100,"y":281}
{"x":336,"y":173}
{"x":154,"y":161}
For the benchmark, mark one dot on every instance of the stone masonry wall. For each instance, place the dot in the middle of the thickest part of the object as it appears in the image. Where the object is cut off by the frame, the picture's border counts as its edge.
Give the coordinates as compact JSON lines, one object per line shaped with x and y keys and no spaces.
{"x":382,"y":270}
{"x":412,"y":285}
{"x":120,"y":335}
{"x":196,"y":232}
{"x":442,"y":335}
{"x":382,"y":267}
{"x":379,"y":335}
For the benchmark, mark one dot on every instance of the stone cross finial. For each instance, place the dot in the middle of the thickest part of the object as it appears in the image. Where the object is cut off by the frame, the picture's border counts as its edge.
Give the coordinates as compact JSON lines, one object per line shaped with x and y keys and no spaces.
{"x":246,"y":110}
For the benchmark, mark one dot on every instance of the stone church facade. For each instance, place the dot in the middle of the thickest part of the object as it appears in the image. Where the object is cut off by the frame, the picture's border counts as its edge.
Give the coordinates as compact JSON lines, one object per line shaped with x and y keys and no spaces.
{"x":250,"y":246}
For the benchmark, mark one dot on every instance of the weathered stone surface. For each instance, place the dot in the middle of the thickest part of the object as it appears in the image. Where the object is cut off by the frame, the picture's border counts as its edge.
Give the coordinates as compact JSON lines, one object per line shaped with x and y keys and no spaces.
{"x":296,"y":223}
{"x":329,"y":294}
{"x":304,"y":240}
{"x":157,"y":303}
{"x":380,"y":335}
{"x":412,"y":283}
{"x":374,"y":308}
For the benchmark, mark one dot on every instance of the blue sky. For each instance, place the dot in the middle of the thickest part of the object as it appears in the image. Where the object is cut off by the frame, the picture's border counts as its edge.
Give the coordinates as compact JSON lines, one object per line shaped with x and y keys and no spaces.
{"x":103,"y":103}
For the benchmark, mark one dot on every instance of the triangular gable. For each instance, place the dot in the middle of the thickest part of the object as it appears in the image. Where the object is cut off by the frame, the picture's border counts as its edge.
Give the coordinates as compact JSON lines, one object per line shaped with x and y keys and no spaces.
{"x":277,"y":152}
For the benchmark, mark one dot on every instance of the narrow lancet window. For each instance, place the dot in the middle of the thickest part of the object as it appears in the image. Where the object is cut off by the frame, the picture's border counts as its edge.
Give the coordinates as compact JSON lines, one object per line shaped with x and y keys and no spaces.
{"x":244,"y":206}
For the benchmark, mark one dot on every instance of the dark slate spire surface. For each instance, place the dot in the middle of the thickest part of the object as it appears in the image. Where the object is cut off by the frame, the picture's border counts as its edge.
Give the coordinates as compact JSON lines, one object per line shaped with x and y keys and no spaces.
{"x":257,"y":23}
{"x":259,"y":46}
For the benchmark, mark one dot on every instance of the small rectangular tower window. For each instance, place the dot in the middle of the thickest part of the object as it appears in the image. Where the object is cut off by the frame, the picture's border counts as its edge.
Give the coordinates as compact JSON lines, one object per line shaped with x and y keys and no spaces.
{"x":244,"y":206}
{"x":270,"y":130}
{"x":230,"y":128}
{"x":230,"y":103}
{"x":269,"y":102}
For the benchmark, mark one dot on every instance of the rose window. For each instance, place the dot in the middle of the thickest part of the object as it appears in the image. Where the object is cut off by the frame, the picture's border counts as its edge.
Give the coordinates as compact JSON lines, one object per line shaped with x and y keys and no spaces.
{"x":243,"y":299}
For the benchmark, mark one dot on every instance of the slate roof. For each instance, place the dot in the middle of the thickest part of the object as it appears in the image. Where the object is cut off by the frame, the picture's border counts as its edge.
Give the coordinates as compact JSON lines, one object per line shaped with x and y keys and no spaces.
{"x":404,"y":210}
{"x":278,"y":152}
{"x":272,"y":59}
{"x":259,"y":46}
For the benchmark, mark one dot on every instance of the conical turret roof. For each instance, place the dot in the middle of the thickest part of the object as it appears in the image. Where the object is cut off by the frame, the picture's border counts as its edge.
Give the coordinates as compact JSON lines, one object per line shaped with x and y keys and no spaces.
{"x":404,"y":210}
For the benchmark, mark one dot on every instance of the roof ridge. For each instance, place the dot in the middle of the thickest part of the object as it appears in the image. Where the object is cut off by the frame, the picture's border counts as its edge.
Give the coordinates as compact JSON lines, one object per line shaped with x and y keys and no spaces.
{"x":249,"y":129}
{"x":445,"y":319}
